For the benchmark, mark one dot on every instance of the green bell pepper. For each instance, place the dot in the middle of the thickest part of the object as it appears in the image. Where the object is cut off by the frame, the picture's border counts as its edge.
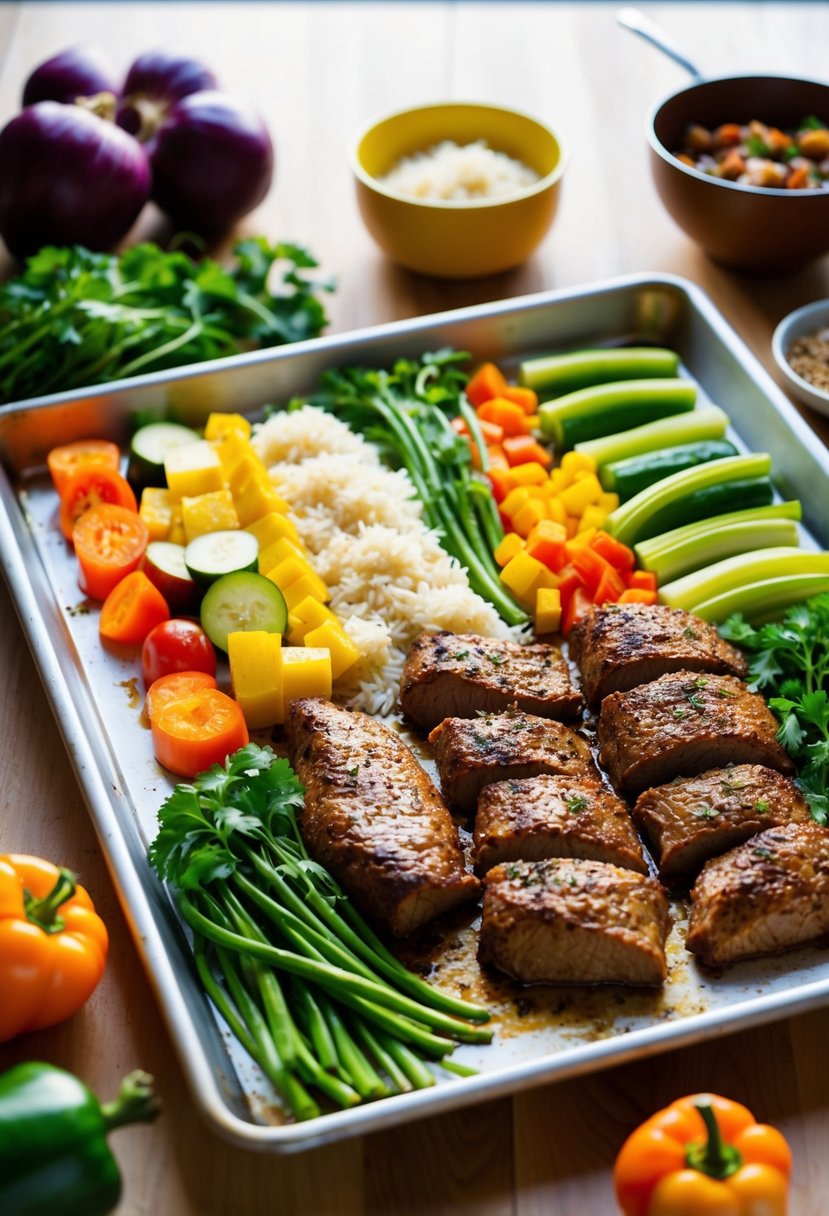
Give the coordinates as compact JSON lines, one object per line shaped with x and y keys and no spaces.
{"x":54,"y":1157}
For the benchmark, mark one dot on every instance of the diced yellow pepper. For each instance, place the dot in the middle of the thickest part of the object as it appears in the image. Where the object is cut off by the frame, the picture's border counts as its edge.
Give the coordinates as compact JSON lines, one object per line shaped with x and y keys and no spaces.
{"x":515,"y":500}
{"x":524,"y":575}
{"x":247,"y":468}
{"x":306,"y":672}
{"x":255,"y":659}
{"x":290,"y":570}
{"x":192,"y":469}
{"x":572,"y":462}
{"x":592,"y":518}
{"x":581,"y":494}
{"x":176,"y":533}
{"x":256,"y":500}
{"x":157,"y":511}
{"x":277,"y":552}
{"x":560,"y":479}
{"x":230,"y":447}
{"x":509,"y":546}
{"x":609,"y":502}
{"x":309,"y":584}
{"x":308,"y":614}
{"x":218,"y":425}
{"x":271,"y":527}
{"x":525,"y":519}
{"x":547,"y":610}
{"x":582,"y":538}
{"x":212,"y":512}
{"x":555,"y":510}
{"x":344,"y":653}
{"x":530,"y":474}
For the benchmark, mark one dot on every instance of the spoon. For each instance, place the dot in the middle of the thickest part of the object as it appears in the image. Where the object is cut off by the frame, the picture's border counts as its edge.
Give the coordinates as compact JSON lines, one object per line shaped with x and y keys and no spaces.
{"x":633,"y":19}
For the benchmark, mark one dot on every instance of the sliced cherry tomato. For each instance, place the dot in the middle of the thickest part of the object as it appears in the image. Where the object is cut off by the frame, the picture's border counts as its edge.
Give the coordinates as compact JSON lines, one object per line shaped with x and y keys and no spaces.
{"x":109,"y":543}
{"x":132,"y":608}
{"x":90,"y":486}
{"x":191,"y":735}
{"x":178,"y":686}
{"x":177,"y":645}
{"x":68,"y":458}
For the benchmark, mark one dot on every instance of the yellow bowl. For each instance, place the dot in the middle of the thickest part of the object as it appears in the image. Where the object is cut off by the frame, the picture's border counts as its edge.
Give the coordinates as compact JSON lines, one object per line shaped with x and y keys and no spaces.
{"x":457,"y":238}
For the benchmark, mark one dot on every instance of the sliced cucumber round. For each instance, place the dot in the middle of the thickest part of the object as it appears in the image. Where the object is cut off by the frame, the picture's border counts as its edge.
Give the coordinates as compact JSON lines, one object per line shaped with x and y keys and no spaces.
{"x":242,"y":602}
{"x":149,"y":447}
{"x":215,"y":554}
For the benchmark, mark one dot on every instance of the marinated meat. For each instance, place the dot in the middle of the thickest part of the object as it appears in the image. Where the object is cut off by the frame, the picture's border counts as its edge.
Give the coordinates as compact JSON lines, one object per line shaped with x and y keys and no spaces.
{"x":550,"y":816}
{"x":767,"y":895}
{"x":574,"y":922}
{"x":682,"y":724}
{"x":449,"y":675}
{"x":472,"y":752}
{"x":693,"y":818}
{"x":373,"y":817}
{"x":618,"y":646}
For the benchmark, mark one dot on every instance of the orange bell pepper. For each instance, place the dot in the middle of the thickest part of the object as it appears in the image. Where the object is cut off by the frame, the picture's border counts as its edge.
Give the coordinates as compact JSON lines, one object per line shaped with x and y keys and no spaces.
{"x":53,"y":946}
{"x":703,"y":1156}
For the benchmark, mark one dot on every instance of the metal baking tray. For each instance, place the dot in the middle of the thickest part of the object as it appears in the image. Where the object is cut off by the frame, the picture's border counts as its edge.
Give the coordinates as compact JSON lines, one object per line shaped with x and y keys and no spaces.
{"x":541,"y":1035}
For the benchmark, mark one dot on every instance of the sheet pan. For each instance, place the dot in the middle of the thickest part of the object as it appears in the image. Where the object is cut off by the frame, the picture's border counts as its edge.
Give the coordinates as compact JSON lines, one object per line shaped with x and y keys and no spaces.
{"x":96,"y":697}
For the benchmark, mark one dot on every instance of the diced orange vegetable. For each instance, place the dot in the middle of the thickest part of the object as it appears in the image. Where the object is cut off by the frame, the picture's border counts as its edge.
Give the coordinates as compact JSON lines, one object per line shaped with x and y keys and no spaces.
{"x":642,"y":580}
{"x":547,"y":610}
{"x":532,"y":422}
{"x":591,"y":568}
{"x":523,"y":449}
{"x":568,"y":583}
{"x":546,"y":543}
{"x":527,"y":398}
{"x":610,"y":587}
{"x":509,"y":546}
{"x":578,"y":605}
{"x":526,"y":518}
{"x":109,"y":543}
{"x":501,"y":482}
{"x":638,"y":595}
{"x":497,"y":457}
{"x":580,"y":541}
{"x":133,"y":607}
{"x":503,"y":413}
{"x":488,"y":382}
{"x":193,"y":734}
{"x":798,"y":178}
{"x":613,"y":551}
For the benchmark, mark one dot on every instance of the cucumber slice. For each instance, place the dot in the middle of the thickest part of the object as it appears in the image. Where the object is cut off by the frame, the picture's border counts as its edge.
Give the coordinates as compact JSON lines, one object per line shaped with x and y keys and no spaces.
{"x":215,"y":554}
{"x":242,"y":602}
{"x":150,"y":444}
{"x":627,"y":477}
{"x":163,"y":563}
{"x":590,"y":413}
{"x":555,"y":374}
{"x":705,"y":422}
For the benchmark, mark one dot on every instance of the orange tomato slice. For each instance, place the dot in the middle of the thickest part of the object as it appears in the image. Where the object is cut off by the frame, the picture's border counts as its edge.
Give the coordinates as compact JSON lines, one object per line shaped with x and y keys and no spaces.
{"x":192,"y":734}
{"x":133,"y":607}
{"x":109,"y":543}
{"x":90,"y":486}
{"x":176,"y":686}
{"x":65,"y":460}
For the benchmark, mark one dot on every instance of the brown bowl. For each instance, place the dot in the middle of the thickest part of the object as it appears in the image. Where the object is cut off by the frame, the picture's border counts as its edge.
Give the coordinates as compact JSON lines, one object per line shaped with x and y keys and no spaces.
{"x":745,"y":227}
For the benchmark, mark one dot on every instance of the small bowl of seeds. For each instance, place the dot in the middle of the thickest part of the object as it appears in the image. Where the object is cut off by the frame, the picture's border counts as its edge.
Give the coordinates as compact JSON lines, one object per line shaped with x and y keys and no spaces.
{"x":800,"y":346}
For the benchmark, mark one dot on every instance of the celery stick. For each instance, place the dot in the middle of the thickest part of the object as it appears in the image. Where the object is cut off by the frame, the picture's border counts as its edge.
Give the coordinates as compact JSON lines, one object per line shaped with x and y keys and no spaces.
{"x":650,"y":511}
{"x":555,"y":374}
{"x":589,"y":413}
{"x":705,"y":422}
{"x":745,"y":568}
{"x":654,"y":547}
{"x":764,"y":600}
{"x":716,"y":543}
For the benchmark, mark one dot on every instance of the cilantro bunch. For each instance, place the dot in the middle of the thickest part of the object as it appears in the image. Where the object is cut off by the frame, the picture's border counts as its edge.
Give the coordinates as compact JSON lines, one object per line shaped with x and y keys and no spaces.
{"x":790,"y":660}
{"x":76,"y":318}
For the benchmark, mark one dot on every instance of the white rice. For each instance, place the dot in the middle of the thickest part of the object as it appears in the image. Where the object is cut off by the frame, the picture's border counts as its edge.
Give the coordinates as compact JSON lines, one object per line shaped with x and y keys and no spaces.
{"x":459,"y":171}
{"x":388,"y":576}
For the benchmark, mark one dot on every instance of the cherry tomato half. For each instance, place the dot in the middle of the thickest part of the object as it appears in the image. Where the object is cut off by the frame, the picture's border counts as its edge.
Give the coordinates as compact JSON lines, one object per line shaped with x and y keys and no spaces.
{"x":65,"y":460}
{"x":92,"y":485}
{"x":109,"y":542}
{"x":177,"y":645}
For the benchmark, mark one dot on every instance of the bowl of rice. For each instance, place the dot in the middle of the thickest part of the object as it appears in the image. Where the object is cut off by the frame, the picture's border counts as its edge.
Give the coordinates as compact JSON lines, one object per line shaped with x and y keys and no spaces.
{"x":456,"y":189}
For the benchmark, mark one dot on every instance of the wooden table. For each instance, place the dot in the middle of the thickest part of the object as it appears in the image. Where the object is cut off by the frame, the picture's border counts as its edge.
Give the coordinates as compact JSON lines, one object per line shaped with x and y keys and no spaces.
{"x":317,"y":71}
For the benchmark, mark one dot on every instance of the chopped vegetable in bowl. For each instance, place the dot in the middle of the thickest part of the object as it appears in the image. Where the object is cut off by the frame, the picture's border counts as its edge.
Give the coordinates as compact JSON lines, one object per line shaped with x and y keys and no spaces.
{"x":753,"y":154}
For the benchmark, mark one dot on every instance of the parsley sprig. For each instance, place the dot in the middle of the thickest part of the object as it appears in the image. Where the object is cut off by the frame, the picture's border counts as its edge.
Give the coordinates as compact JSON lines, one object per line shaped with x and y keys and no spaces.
{"x":790,"y":659}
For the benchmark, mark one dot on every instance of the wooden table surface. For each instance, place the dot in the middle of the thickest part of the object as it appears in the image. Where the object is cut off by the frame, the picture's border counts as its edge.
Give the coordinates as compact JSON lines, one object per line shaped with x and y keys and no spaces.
{"x":317,"y":71}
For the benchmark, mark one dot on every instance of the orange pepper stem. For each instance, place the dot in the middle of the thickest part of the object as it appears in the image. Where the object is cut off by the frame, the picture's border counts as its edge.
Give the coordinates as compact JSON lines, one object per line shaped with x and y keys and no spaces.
{"x":714,"y":1158}
{"x":136,"y":1102}
{"x":44,"y":912}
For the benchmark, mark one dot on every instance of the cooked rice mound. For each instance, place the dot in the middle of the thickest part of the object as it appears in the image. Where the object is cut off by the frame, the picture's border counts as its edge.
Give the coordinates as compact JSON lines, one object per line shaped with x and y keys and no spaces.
{"x":388,"y":576}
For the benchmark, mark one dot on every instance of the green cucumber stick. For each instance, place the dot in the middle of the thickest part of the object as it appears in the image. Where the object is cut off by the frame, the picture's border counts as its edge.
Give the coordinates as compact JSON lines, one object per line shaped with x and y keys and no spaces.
{"x":701,"y":548}
{"x":552,"y":375}
{"x":764,"y":600}
{"x":589,"y":413}
{"x":739,"y":571}
{"x":705,"y":422}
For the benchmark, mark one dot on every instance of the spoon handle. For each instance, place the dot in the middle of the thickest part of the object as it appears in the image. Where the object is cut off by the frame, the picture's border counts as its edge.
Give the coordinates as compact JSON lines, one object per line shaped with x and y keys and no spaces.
{"x":633,"y":19}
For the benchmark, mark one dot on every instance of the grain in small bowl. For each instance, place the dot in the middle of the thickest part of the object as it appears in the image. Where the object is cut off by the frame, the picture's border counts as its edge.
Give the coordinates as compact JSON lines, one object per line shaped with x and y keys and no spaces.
{"x":800,"y":346}
{"x":458,"y":189}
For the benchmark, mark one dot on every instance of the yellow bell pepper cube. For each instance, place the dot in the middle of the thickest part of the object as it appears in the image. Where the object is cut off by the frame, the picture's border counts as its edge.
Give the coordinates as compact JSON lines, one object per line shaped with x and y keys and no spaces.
{"x":308,"y":614}
{"x":247,"y":468}
{"x":509,"y":546}
{"x":258,"y":499}
{"x":530,"y":474}
{"x":212,"y":512}
{"x":524,"y":575}
{"x":309,"y":584}
{"x":156,"y":510}
{"x":581,"y":494}
{"x":192,"y":469}
{"x":219,"y":425}
{"x":255,"y":660}
{"x":609,"y":502}
{"x":555,"y":510}
{"x":306,"y":672}
{"x":291,"y":570}
{"x":515,"y":500}
{"x":592,"y":518}
{"x":573,"y":462}
{"x":530,"y":514}
{"x":344,"y":653}
{"x":176,"y":534}
{"x":560,"y":479}
{"x":277,"y":552}
{"x":274,"y":526}
{"x":230,"y":448}
{"x":547,"y":610}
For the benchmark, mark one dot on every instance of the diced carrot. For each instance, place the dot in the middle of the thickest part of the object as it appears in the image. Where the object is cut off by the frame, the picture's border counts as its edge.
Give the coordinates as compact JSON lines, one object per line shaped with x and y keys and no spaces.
{"x":491,"y":432}
{"x":504,"y":414}
{"x":527,"y":398}
{"x":578,"y":605}
{"x":642,"y":580}
{"x":501,"y":482}
{"x":638,"y":595}
{"x":498,"y":458}
{"x":798,"y":178}
{"x":488,"y":382}
{"x":613,"y":551}
{"x":546,"y":544}
{"x":591,"y":568}
{"x":610,"y":587}
{"x":523,"y":449}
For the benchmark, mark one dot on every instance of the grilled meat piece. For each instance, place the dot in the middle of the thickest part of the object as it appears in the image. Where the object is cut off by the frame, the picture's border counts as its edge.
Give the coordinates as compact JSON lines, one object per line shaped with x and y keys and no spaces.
{"x":682,"y":724}
{"x":618,"y":646}
{"x":373,"y":817}
{"x":767,"y":895}
{"x":550,"y":816}
{"x":472,"y":752}
{"x":693,"y":818}
{"x":454,"y":675}
{"x":574,"y":922}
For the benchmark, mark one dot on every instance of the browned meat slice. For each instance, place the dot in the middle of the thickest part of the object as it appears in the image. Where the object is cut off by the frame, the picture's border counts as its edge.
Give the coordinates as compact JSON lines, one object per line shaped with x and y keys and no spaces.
{"x":574,"y":922}
{"x":550,"y":816}
{"x":373,"y":817}
{"x":693,"y":818}
{"x":456,"y":675}
{"x":682,"y":724}
{"x":767,"y":895}
{"x":619,"y":646}
{"x":472,"y":752}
